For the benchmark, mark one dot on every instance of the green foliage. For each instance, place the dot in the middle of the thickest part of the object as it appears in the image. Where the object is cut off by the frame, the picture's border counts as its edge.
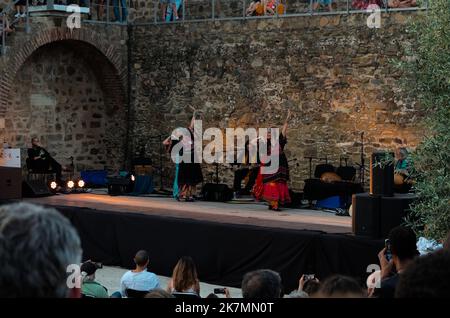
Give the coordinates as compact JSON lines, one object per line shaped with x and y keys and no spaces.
{"x":426,"y":67}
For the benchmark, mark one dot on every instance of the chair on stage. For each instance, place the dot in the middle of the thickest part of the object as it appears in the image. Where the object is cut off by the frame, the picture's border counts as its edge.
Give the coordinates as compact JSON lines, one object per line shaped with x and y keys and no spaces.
{"x":44,"y":172}
{"x":39,"y":173}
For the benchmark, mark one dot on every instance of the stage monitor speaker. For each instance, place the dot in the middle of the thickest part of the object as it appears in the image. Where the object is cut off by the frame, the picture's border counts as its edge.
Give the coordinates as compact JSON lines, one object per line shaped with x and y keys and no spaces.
{"x":119,"y":185}
{"x":35,"y":188}
{"x":381,"y":174}
{"x":10,"y":183}
{"x":366,"y":215}
{"x":376,"y":216}
{"x":216,"y":192}
{"x":393,"y":211}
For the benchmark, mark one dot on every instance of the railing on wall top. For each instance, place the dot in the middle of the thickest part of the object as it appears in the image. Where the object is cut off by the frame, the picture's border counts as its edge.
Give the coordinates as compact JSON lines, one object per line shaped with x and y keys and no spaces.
{"x":120,"y":11}
{"x":114,"y":11}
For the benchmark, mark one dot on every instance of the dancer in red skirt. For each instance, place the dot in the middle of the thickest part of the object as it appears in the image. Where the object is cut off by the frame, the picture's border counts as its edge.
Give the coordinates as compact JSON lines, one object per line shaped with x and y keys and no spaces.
{"x":275,"y":187}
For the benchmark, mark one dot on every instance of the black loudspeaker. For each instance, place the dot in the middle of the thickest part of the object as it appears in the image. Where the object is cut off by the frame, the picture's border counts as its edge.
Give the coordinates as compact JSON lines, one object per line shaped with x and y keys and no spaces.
{"x":393,"y":211}
{"x":296,"y":200}
{"x":10,"y":183}
{"x":35,"y":188}
{"x":366,"y":215}
{"x":376,"y":216}
{"x":381,"y":174}
{"x":216,"y":192}
{"x":119,"y":185}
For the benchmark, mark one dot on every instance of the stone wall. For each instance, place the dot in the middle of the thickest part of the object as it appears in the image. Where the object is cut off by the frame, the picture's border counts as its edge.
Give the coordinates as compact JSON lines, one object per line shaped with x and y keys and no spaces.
{"x":57,"y":97}
{"x":70,"y":89}
{"x":333,"y":72}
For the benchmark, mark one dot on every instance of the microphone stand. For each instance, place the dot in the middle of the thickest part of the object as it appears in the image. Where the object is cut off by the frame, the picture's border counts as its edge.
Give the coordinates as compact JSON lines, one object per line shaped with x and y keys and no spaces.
{"x":362,"y":164}
{"x":310,"y":165}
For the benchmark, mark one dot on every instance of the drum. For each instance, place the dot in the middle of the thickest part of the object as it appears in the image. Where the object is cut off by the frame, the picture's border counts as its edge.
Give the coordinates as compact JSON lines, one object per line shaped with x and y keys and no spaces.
{"x":330,"y":177}
{"x":399,"y":179}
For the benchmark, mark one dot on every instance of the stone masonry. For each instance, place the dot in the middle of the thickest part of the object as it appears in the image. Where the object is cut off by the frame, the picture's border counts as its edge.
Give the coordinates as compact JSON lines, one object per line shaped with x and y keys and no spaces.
{"x":69,"y":88}
{"x":333,"y":72}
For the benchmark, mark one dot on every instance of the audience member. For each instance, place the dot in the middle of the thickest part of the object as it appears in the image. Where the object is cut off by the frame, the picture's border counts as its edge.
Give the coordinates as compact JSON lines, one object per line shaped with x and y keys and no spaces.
{"x":139,"y":278}
{"x":184,"y":277}
{"x":37,"y":245}
{"x":325,"y":3}
{"x":309,"y":286}
{"x":339,"y":286}
{"x":173,"y":4}
{"x":7,"y":27}
{"x":427,"y":277}
{"x":403,"y":250}
{"x":21,"y":8}
{"x":100,"y":8}
{"x":263,"y":283}
{"x":364,"y":4}
{"x":402,"y":3}
{"x":90,"y":287}
{"x":118,"y":4}
{"x":158,"y":293}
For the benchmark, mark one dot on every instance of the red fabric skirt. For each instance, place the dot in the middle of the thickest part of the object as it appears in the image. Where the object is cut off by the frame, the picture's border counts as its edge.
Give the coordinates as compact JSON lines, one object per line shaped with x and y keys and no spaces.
{"x":276,"y":191}
{"x":258,"y":188}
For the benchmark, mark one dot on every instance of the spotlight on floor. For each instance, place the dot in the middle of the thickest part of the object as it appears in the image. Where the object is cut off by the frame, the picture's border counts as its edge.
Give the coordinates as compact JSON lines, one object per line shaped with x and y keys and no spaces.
{"x":81,"y":184}
{"x":70,"y":184}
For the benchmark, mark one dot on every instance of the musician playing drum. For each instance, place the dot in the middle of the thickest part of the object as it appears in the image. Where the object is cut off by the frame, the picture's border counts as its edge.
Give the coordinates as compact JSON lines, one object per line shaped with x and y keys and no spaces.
{"x":401,"y":171}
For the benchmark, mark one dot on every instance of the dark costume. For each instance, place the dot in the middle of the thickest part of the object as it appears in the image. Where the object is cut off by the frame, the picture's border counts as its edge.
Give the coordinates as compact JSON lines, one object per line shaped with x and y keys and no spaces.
{"x":189,"y":174}
{"x":274,"y":188}
{"x":246,"y":172}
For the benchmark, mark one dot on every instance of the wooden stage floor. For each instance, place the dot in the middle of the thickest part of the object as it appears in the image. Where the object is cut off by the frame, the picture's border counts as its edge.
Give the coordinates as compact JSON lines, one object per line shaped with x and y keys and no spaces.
{"x":249,"y":213}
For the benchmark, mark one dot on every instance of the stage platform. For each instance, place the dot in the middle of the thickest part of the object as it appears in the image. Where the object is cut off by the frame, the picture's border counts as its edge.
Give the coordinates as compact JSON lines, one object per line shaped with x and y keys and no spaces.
{"x":226,"y":240}
{"x":233,"y":212}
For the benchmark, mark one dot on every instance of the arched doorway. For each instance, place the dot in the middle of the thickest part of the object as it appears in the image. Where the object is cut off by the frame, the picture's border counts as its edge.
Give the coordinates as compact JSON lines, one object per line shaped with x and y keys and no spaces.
{"x":70,"y":95}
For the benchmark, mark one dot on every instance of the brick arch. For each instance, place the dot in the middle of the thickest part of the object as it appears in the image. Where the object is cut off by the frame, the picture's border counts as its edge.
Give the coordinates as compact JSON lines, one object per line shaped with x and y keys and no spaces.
{"x":111,"y":72}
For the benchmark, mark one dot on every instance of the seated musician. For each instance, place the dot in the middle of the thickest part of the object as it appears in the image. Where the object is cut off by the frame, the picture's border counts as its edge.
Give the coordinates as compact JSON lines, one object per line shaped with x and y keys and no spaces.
{"x":247,"y":172}
{"x":401,"y":171}
{"x":42,"y":161}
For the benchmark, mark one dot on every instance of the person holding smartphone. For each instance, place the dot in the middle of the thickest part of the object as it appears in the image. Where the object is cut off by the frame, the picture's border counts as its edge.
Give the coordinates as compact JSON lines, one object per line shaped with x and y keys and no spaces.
{"x":399,"y":252}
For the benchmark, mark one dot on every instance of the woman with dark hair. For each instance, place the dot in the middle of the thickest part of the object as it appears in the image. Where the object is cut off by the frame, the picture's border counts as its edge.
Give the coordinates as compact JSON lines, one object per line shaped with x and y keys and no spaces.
{"x":184,"y":277}
{"x":275,"y":188}
{"x":339,"y":286}
{"x":187,"y":174}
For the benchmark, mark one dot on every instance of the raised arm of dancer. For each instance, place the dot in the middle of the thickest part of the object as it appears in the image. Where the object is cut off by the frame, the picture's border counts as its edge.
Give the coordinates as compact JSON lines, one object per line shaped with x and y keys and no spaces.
{"x":166,"y":141}
{"x":191,"y":126}
{"x":285,"y":126}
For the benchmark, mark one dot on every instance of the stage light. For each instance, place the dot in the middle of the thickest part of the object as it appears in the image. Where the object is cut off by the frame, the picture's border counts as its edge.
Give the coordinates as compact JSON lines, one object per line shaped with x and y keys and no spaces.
{"x":70,"y":184}
{"x":80,"y":183}
{"x":133,"y":178}
{"x":53,"y":185}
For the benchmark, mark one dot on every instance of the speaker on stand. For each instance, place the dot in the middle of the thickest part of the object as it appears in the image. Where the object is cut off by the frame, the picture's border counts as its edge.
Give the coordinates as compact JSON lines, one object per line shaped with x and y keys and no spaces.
{"x":382,"y":174}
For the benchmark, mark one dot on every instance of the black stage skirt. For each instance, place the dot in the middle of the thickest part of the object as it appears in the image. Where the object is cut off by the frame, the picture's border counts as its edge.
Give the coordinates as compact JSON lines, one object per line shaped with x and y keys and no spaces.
{"x":189,"y":174}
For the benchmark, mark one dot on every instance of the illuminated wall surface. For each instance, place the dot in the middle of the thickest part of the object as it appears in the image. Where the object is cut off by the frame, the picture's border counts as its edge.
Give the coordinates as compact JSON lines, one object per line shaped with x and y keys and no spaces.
{"x":333,"y":72}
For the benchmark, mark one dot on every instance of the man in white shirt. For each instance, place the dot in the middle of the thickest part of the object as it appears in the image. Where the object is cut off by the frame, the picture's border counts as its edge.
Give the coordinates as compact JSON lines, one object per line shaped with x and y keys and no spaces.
{"x":139,"y":278}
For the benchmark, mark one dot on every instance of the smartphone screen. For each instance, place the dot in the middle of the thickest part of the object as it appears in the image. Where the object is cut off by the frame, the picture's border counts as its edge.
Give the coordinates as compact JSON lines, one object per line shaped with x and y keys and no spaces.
{"x":388,"y":253}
